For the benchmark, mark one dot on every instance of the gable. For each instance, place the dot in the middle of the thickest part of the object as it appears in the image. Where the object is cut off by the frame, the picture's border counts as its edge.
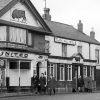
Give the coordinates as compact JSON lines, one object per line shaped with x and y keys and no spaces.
{"x":20,"y":14}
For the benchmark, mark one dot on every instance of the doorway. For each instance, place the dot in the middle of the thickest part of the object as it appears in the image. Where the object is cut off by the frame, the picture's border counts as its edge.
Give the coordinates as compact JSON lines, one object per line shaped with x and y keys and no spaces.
{"x":39,"y":65}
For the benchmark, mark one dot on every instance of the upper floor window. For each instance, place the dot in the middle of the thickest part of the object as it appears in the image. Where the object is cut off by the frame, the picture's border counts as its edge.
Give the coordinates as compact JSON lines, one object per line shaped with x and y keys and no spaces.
{"x":64,"y":50}
{"x":79,"y":49}
{"x":2,"y":33}
{"x":17,"y":35}
{"x":97,"y":55}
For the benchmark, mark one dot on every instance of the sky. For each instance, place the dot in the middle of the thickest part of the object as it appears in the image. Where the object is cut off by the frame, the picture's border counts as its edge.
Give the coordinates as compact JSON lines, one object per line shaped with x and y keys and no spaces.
{"x":71,"y":11}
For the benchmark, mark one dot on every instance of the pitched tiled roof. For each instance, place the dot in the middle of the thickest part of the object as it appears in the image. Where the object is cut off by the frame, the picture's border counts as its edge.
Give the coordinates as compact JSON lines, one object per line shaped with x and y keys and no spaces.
{"x":69,"y":32}
{"x":3,"y":3}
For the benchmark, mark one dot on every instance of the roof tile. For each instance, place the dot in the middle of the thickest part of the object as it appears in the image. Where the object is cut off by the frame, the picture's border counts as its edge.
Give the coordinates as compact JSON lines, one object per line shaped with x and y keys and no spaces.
{"x":69,"y":32}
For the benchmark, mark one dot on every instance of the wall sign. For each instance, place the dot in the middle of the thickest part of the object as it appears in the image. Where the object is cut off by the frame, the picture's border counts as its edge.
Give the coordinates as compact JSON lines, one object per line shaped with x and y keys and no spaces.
{"x":18,"y":15}
{"x":9,"y":54}
{"x":66,"y":41}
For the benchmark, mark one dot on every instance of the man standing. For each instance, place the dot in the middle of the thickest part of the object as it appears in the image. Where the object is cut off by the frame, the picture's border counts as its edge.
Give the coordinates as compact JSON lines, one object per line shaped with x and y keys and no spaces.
{"x":42,"y":83}
{"x":51,"y":84}
{"x":35,"y":83}
{"x":80,"y":83}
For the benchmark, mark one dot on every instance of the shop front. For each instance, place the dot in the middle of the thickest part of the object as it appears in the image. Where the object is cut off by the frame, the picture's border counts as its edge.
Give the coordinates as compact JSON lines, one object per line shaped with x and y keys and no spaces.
{"x":65,"y":69}
{"x":18,"y":69}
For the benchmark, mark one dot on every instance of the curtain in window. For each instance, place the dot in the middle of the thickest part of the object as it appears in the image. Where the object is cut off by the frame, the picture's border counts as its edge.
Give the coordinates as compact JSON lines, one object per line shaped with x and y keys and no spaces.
{"x":17,"y":35}
{"x":29,"y":38}
{"x":2,"y":33}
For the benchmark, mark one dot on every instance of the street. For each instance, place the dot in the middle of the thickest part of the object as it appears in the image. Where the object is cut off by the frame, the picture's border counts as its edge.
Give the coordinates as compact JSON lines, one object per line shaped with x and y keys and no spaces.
{"x":78,"y":96}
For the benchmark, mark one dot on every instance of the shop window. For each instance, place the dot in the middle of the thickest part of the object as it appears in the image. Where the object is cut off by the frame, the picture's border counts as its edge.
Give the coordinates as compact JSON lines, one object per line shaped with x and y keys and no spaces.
{"x":85,"y":71}
{"x":97,"y":55}
{"x":24,"y":65}
{"x":13,"y":65}
{"x":69,"y":70}
{"x":52,"y":70}
{"x":17,"y":35}
{"x":79,"y":49}
{"x":62,"y":74}
{"x":30,"y":39}
{"x":92,"y":72}
{"x":64,"y":50}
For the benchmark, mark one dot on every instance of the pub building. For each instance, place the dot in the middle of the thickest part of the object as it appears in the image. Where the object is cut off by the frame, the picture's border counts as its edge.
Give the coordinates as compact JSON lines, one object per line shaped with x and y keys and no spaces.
{"x":22,"y":44}
{"x":72,"y":53}
{"x":32,"y":45}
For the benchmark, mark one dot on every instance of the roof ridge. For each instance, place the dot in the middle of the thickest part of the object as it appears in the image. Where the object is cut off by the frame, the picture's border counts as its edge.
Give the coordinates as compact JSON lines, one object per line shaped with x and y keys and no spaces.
{"x":60,"y":23}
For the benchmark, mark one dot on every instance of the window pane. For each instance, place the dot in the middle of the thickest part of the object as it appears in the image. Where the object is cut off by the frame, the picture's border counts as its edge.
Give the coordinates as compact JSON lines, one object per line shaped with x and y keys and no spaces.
{"x":24,"y":65}
{"x":64,"y":50}
{"x":17,"y":35}
{"x":13,"y":64}
{"x":29,"y":38}
{"x":69,"y":73}
{"x":47,"y":46}
{"x":3,"y":30}
{"x":62,"y":77}
{"x":97,"y":55}
{"x":79,"y":49}
{"x":52,"y":71}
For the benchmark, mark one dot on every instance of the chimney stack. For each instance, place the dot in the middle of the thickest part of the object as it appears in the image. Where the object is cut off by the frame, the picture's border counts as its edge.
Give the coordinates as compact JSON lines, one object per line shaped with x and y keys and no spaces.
{"x":80,"y":26}
{"x":46,"y":14}
{"x":92,"y":34}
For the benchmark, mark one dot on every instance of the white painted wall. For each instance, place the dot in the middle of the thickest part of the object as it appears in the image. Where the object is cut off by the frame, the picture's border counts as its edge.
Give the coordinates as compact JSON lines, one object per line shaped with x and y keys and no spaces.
{"x":56,"y":48}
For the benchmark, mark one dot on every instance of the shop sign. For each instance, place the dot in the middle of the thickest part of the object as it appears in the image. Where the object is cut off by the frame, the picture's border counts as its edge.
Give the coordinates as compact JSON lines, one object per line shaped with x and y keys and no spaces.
{"x":9,"y":54}
{"x":66,"y":41}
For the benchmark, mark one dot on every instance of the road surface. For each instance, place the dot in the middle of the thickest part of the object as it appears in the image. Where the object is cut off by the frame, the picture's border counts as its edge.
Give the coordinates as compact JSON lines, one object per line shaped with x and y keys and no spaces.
{"x":80,"y":96}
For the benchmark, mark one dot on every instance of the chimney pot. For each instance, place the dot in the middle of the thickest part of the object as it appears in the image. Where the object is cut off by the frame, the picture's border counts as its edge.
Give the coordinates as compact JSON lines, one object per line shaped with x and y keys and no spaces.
{"x":46,"y":14}
{"x":80,"y":26}
{"x":92,"y":34}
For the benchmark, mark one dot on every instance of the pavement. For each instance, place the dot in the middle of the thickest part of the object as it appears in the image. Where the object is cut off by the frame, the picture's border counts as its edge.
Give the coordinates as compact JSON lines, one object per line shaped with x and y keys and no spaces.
{"x":19,"y":94}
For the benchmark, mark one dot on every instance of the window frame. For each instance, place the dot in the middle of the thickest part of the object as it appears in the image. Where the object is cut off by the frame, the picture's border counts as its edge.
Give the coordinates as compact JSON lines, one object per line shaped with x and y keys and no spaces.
{"x":85,"y":68}
{"x":92,"y":72}
{"x":51,"y":65}
{"x":64,"y":50}
{"x":28,"y":38}
{"x":79,"y":49}
{"x":63,"y":72}
{"x":69,"y":67}
{"x":97,"y":55}
{"x":16,"y":42}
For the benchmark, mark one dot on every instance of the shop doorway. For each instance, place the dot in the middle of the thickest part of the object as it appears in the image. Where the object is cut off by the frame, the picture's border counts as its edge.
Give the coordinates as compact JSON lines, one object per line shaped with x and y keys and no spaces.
{"x":39,"y":65}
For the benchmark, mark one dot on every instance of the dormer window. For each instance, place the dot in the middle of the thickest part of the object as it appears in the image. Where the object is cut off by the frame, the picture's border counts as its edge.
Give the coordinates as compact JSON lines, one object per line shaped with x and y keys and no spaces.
{"x":17,"y":35}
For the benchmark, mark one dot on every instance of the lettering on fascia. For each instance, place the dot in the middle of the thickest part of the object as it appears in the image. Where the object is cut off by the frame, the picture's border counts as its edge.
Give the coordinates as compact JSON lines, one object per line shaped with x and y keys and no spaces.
{"x":66,"y":41}
{"x":9,"y":54}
